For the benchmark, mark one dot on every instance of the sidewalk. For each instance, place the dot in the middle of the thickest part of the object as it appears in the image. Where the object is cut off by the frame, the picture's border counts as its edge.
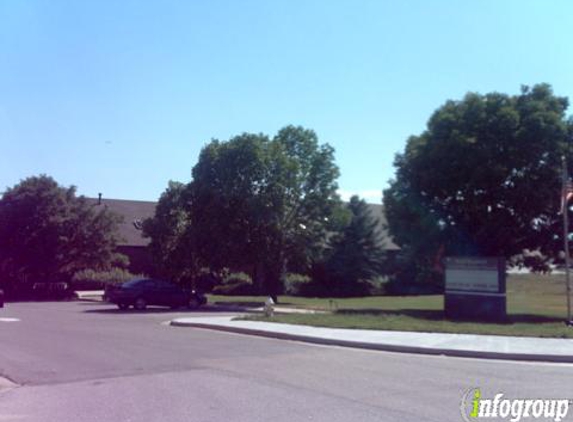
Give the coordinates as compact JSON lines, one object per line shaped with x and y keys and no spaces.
{"x":462,"y":345}
{"x":89,"y":295}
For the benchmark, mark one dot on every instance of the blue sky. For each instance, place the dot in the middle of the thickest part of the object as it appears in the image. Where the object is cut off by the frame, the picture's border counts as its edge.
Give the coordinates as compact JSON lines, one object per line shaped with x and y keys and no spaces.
{"x":119,"y":96}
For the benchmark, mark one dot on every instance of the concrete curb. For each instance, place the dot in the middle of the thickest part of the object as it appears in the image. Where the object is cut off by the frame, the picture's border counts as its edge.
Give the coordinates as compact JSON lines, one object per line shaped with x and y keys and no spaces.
{"x":6,"y":384}
{"x":86,"y":299}
{"x":382,"y":346}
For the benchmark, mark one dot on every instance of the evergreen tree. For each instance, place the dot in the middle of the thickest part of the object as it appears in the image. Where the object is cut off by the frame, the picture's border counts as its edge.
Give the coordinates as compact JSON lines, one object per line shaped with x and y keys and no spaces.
{"x":357,"y":253}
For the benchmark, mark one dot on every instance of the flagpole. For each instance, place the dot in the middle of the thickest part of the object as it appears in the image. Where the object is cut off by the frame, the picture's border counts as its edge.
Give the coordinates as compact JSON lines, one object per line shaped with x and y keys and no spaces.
{"x":566,"y":238}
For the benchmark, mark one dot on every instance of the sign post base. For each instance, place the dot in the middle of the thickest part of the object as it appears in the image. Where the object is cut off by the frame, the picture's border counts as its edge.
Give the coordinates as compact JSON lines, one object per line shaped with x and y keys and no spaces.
{"x":486,"y":308}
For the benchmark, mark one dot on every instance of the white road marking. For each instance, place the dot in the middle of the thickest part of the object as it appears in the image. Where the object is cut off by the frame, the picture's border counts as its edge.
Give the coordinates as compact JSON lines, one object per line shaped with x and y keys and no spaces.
{"x":6,"y":319}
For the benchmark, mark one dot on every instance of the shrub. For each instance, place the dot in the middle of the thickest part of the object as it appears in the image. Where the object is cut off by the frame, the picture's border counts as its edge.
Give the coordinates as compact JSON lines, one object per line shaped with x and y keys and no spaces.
{"x":90,"y":279}
{"x":378,"y":286}
{"x":330,"y":284}
{"x":400,"y":288}
{"x":234,"y":278}
{"x":206,"y":281}
{"x":295,"y":284}
{"x":410,"y":277}
{"x":240,"y":288}
{"x":235,"y":284}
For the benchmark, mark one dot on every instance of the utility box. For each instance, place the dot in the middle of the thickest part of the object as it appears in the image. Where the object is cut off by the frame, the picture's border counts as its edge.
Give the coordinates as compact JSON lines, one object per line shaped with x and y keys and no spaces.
{"x":475,"y":288}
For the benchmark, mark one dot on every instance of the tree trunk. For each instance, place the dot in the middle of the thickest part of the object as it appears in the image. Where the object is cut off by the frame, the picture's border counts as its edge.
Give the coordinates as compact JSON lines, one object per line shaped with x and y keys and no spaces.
{"x":259,"y":277}
{"x":272,"y":282}
{"x":275,"y":283}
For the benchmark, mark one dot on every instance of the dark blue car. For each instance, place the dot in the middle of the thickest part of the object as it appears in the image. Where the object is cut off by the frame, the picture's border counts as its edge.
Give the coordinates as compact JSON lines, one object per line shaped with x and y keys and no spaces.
{"x":140,"y":293}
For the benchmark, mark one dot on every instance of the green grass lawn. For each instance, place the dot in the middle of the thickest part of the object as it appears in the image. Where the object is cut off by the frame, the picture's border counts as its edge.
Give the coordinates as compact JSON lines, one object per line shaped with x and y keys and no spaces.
{"x":373,"y":302}
{"x":536,"y":307}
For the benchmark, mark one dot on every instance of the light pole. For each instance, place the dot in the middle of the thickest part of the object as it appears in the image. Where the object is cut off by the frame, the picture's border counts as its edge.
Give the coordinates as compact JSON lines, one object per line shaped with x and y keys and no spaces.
{"x":564,"y":197}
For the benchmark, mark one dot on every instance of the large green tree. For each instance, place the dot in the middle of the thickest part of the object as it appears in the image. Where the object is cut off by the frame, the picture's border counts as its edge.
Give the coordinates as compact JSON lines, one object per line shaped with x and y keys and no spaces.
{"x":483,"y":178}
{"x":263,"y":203}
{"x":47,"y":233}
{"x":169,"y":230}
{"x":226,"y":199}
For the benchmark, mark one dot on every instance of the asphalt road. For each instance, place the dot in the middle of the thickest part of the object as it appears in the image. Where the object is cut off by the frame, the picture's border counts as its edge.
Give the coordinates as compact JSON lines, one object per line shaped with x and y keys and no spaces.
{"x":80,"y":361}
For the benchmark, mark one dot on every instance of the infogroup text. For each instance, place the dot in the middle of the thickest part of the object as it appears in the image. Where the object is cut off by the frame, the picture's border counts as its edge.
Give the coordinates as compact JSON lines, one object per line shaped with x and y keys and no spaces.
{"x":474,"y":407}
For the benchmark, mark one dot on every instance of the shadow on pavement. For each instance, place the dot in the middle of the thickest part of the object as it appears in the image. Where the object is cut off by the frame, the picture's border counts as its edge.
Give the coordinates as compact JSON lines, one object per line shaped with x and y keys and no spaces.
{"x":251,"y":304}
{"x":113,"y":310}
{"x":241,"y":304}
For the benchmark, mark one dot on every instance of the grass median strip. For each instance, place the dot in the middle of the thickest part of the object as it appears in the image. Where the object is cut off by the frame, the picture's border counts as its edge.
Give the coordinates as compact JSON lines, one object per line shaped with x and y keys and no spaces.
{"x":404,"y":322}
{"x":536,"y":308}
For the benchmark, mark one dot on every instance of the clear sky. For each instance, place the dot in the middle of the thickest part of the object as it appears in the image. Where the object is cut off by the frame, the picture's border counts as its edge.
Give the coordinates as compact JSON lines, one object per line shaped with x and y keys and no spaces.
{"x":119,"y":96}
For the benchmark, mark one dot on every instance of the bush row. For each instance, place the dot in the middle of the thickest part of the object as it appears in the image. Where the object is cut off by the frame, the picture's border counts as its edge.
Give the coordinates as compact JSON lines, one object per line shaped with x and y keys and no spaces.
{"x":241,"y":284}
{"x":96,"y":280}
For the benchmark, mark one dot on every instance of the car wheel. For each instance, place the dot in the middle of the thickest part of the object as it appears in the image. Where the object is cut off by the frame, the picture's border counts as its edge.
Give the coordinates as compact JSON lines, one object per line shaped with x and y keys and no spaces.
{"x":123,"y":306}
{"x":194,"y":303}
{"x":140,"y":304}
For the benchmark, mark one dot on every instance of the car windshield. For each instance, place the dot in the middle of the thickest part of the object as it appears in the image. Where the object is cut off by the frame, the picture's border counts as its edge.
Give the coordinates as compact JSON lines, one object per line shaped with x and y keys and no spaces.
{"x":133,"y":283}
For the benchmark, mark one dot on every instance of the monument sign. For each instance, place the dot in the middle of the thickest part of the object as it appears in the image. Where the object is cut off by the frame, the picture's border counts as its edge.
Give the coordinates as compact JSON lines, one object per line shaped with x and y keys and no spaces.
{"x":475,"y":288}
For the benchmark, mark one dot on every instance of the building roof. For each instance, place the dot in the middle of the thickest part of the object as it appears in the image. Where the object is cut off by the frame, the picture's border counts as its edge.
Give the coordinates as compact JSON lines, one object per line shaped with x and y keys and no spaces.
{"x":377,"y":212}
{"x":133,"y":213}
